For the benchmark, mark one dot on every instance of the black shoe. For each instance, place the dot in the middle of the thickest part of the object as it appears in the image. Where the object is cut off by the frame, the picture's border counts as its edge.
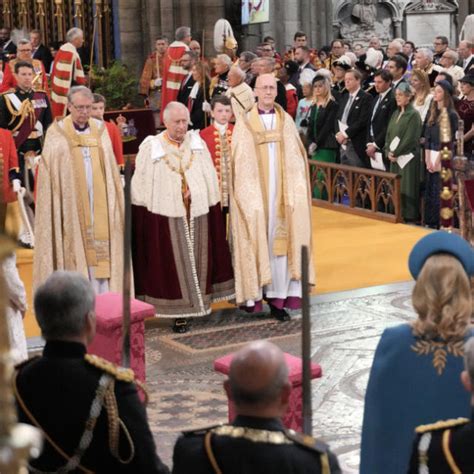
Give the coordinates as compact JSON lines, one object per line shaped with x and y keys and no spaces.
{"x":280,"y":314}
{"x":180,"y":326}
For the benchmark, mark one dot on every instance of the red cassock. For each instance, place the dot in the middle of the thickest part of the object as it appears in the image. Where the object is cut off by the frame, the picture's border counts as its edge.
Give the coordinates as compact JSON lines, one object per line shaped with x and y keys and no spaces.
{"x":116,"y":139}
{"x":172,"y":74}
{"x":8,"y":162}
{"x":214,"y":144}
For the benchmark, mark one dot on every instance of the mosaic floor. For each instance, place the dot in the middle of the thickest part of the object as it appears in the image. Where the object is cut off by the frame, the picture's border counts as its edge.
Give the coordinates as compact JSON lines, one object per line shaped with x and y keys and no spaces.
{"x":187,"y":393}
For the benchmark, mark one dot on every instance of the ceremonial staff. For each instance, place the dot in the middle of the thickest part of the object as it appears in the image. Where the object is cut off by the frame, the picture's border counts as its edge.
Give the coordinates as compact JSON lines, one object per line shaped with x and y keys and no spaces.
{"x":204,"y":92}
{"x":127,"y":277}
{"x":306,"y":344}
{"x":446,"y":195}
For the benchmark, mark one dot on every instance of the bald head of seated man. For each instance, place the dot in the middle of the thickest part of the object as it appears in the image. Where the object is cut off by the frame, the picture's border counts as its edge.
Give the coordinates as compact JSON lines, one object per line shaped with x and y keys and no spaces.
{"x":256,"y":441}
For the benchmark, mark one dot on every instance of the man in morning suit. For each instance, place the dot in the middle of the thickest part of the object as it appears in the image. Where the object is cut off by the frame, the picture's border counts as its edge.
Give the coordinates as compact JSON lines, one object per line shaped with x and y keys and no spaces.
{"x":383,"y":105}
{"x":353,"y":113}
{"x":87,"y":408}
{"x":256,"y":441}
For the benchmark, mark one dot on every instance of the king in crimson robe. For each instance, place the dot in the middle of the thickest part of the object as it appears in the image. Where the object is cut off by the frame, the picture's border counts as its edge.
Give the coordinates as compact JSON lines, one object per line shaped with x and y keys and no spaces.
{"x":270,"y":209}
{"x":181,"y":258}
{"x":79,"y":206}
{"x":172,"y":74}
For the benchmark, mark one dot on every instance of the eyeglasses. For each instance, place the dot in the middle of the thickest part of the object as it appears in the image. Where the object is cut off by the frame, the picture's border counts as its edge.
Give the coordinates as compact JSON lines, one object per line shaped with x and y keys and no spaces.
{"x":25,"y":50}
{"x":268,"y":50}
{"x":81,"y":108}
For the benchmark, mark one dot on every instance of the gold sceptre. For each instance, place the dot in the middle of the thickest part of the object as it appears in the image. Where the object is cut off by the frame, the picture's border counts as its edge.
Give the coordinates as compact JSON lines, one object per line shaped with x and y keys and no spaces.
{"x":18,"y":441}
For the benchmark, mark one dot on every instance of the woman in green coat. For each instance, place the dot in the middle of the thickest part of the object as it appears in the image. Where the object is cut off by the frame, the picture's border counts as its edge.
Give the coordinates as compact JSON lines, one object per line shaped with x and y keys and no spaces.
{"x":401,"y":143}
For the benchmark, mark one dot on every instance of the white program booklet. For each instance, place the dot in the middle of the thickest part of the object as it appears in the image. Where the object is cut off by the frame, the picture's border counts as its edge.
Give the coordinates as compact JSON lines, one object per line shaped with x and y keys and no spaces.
{"x":377,"y":162}
{"x":403,"y":160}
{"x":394,"y":144}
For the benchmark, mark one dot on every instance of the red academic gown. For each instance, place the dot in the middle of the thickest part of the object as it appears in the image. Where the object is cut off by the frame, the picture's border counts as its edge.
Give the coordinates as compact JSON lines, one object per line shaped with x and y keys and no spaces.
{"x":117,"y":144}
{"x":9,"y":163}
{"x":9,"y":81}
{"x":172,"y":74}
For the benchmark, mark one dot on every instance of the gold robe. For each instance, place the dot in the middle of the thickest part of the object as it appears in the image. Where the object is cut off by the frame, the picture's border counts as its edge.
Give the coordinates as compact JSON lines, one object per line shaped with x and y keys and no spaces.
{"x":59,"y":240}
{"x":249,"y":234}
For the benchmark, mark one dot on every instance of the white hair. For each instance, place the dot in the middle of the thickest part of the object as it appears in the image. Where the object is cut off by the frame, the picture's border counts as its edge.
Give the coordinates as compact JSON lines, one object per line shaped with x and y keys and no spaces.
{"x":83,"y":90}
{"x":182,"y":32}
{"x":426,"y":52}
{"x":453,"y":55}
{"x":398,"y":45}
{"x":225,"y":59}
{"x":73,"y":33}
{"x":173,"y":105}
{"x":238,"y":72}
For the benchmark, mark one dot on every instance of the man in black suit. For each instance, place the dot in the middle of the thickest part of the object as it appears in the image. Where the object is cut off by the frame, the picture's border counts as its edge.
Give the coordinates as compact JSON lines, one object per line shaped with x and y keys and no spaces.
{"x":7,"y":46}
{"x":256,"y":441}
{"x":353,"y":118}
{"x":466,"y":58}
{"x":87,"y":407}
{"x":40,"y":51}
{"x":397,"y":66}
{"x":302,"y":57}
{"x":187,"y":62}
{"x":383,"y":106}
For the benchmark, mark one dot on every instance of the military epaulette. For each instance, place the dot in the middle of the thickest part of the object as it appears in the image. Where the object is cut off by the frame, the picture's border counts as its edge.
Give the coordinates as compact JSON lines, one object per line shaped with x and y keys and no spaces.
{"x":441,"y":425}
{"x":307,"y":441}
{"x":120,"y":373}
{"x":26,"y":362}
{"x":200,"y":431}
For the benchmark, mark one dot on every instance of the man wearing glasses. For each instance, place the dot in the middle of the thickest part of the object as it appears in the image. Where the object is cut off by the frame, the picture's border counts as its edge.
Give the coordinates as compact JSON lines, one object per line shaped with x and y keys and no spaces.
{"x":440,"y":45}
{"x":79,"y":205}
{"x":270,"y":205}
{"x":24,"y":53}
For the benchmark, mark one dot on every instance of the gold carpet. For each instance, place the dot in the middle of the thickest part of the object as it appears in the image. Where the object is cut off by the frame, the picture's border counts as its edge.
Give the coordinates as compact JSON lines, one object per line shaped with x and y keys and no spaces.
{"x":349,"y":252}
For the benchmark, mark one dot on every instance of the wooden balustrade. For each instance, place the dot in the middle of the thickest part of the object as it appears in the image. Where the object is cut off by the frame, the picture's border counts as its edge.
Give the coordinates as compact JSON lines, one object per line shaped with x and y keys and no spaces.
{"x":366,"y":192}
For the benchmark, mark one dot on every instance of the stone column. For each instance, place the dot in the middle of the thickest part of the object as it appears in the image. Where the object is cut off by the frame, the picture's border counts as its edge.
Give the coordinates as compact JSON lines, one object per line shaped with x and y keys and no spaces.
{"x":131,"y":34}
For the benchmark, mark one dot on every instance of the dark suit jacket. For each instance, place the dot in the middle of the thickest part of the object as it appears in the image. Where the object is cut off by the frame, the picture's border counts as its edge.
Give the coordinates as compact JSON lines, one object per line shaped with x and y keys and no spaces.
{"x":185,"y":90}
{"x":322,"y":130}
{"x":469,"y":65}
{"x":196,"y":112}
{"x":380,"y":120}
{"x":58,"y":390}
{"x":44,"y":55}
{"x":358,"y":121}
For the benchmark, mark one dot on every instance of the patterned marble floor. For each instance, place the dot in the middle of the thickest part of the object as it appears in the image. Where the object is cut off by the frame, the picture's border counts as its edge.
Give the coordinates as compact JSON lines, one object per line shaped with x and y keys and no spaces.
{"x":186,"y":393}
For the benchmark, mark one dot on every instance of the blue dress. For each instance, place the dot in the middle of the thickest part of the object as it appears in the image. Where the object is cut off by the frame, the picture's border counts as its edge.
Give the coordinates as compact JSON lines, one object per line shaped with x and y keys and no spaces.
{"x":413,"y":381}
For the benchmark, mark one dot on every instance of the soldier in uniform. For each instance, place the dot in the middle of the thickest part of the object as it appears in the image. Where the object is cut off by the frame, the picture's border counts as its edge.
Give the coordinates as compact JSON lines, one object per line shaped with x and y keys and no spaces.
{"x":256,"y":441}
{"x":27,"y":114}
{"x":87,"y":408}
{"x":446,"y":446}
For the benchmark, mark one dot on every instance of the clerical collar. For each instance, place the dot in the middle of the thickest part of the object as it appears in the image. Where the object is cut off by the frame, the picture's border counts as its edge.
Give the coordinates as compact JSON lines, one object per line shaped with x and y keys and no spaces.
{"x":80,"y":128}
{"x":220,"y":127}
{"x":263,"y":112}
